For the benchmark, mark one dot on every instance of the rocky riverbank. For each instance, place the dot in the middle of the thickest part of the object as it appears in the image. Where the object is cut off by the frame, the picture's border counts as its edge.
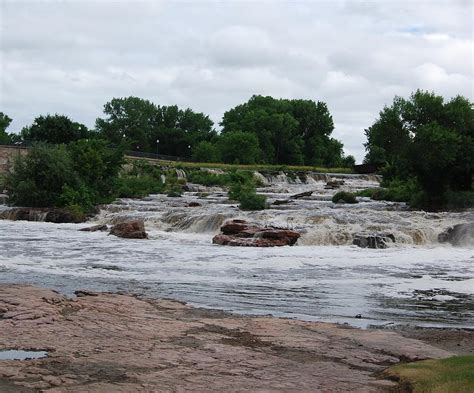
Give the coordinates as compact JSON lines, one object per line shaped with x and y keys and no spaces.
{"x":100,"y":342}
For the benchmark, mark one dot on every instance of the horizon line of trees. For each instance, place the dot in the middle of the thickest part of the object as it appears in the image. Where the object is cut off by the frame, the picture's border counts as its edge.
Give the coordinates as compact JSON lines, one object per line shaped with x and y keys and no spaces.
{"x":263,"y":130}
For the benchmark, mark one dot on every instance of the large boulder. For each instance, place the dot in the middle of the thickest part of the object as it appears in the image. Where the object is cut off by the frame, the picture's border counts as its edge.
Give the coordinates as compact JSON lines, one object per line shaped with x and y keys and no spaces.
{"x":59,"y":216}
{"x":240,"y":233}
{"x":376,"y":240}
{"x":458,"y":235}
{"x":132,"y":229}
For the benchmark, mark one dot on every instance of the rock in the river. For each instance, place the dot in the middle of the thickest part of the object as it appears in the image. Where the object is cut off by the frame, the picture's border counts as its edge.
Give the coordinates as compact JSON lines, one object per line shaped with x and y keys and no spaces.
{"x":132,"y":229}
{"x":334,"y":183}
{"x":241,"y":233}
{"x":301,"y":195}
{"x":458,"y":235}
{"x":194,"y":204}
{"x":59,"y":216}
{"x":377,"y":240}
{"x":295,"y":196}
{"x":95,"y":228}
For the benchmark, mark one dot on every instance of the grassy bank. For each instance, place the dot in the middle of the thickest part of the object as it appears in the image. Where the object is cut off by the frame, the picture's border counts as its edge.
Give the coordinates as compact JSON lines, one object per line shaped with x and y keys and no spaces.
{"x":255,"y":167}
{"x":451,"y":375}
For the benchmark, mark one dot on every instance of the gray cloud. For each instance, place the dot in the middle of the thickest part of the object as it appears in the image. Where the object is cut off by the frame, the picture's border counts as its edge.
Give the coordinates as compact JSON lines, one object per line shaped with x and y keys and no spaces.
{"x":73,"y":56}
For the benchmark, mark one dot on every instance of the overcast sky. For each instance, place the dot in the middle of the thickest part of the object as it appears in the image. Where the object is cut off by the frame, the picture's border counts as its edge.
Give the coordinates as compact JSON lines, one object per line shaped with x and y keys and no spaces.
{"x":71,"y":57}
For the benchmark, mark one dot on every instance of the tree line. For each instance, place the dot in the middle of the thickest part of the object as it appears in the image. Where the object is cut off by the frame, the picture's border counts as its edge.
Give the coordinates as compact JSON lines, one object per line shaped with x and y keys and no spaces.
{"x":263,"y":130}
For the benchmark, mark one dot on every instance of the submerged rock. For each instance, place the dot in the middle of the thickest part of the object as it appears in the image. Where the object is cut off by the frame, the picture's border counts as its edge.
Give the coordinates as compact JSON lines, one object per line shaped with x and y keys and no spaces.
{"x":54,"y":215}
{"x":458,"y":235}
{"x":240,"y":233}
{"x":95,"y":228}
{"x":378,"y":240}
{"x":133,"y":229}
{"x":302,"y":195}
{"x":334,"y":183}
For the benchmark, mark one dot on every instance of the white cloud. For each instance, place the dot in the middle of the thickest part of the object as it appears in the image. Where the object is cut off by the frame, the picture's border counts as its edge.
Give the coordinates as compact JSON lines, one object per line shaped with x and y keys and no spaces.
{"x":73,"y":56}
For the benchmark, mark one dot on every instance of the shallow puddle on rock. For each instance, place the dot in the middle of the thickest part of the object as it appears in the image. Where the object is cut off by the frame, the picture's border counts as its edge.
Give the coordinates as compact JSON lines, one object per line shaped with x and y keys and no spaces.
{"x":18,"y":354}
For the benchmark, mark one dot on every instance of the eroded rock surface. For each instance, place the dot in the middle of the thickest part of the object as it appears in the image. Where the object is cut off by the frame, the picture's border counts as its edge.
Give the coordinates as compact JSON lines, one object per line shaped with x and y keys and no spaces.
{"x":241,"y":233}
{"x":119,"y":343}
{"x":58,"y":216}
{"x":377,"y":240}
{"x":458,"y":235}
{"x":131,"y":229}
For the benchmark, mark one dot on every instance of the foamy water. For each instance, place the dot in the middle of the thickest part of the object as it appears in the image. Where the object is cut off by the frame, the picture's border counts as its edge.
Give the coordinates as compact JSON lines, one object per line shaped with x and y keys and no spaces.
{"x":416,"y":280}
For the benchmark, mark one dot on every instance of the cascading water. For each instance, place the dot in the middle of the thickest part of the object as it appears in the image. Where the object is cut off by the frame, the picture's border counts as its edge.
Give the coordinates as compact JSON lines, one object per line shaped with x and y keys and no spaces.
{"x":324,"y":277}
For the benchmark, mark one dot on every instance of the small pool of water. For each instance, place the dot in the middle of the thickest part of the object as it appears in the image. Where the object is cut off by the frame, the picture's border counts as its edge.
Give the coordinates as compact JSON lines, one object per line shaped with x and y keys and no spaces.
{"x":18,"y":354}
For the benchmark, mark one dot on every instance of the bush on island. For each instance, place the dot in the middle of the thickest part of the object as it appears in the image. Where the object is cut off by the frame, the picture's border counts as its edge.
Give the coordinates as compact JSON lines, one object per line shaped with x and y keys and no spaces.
{"x":344,"y":197}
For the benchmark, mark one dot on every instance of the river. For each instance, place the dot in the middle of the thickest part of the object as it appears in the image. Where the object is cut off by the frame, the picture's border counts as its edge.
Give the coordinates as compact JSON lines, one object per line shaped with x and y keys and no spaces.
{"x":414,"y":281}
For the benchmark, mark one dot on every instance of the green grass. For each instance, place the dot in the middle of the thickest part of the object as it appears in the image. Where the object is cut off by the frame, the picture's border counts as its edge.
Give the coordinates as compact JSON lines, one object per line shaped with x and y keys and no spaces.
{"x":450,"y":375}
{"x":256,"y":167}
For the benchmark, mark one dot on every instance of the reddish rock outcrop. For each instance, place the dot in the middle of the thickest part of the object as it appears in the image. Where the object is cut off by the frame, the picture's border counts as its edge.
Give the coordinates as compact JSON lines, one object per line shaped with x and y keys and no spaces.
{"x":240,"y":233}
{"x":58,"y":216}
{"x":116,"y":343}
{"x":133,"y":229}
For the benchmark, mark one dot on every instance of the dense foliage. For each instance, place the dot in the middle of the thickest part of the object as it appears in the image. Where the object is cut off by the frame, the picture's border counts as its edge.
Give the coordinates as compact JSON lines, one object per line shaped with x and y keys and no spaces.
{"x":4,"y":123}
{"x":344,"y":197}
{"x":243,"y":189}
{"x":54,"y":129}
{"x":427,"y":143}
{"x":292,"y":132}
{"x":153,"y":128}
{"x":77,"y":176}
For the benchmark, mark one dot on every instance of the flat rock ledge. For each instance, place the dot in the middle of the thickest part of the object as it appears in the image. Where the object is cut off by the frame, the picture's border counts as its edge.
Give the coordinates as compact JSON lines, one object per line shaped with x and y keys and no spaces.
{"x":100,"y":342}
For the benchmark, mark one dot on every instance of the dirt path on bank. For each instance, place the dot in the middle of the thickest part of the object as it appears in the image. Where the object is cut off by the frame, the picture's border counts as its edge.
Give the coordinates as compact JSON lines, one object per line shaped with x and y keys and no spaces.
{"x":119,"y":343}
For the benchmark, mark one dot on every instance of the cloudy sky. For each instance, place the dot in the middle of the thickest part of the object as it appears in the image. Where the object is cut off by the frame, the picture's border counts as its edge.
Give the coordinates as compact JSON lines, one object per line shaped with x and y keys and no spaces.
{"x":71,"y":57}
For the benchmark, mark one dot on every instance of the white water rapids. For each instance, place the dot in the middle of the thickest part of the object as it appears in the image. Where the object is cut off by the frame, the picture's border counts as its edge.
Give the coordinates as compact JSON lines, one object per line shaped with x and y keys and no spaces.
{"x":324,"y":277}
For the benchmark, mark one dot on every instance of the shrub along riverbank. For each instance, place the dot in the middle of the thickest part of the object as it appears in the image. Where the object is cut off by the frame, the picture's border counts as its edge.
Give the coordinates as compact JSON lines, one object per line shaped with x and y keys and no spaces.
{"x":87,"y":173}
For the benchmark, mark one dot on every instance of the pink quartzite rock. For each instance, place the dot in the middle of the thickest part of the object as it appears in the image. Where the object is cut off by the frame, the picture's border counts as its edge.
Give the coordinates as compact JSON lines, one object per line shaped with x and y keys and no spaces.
{"x":133,"y":229}
{"x":240,"y":233}
{"x":101,"y":342}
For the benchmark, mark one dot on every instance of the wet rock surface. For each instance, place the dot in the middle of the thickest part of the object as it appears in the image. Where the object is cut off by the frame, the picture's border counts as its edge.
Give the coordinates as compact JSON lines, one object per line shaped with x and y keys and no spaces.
{"x":95,"y":228}
{"x":120,"y":343}
{"x":58,"y":216}
{"x":131,"y":229}
{"x":243,"y":234}
{"x":458,"y":235}
{"x":379,"y":240}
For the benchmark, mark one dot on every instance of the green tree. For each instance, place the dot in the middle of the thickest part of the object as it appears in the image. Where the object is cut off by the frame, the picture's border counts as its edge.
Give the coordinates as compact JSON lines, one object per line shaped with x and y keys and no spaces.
{"x":152,"y":128}
{"x":426,"y":139}
{"x":206,"y":152}
{"x":288,"y":131}
{"x":239,"y":148}
{"x":4,"y":123}
{"x":54,"y":129}
{"x":389,"y":137}
{"x":97,"y":166}
{"x":39,"y":178}
{"x":433,"y":152}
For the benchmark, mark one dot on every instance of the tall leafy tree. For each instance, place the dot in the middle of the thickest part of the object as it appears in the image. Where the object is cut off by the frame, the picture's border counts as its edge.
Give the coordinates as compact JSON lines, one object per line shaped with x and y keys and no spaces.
{"x":152,"y":128}
{"x":4,"y":123}
{"x":54,"y":129}
{"x":239,"y":147}
{"x":426,"y":139}
{"x":289,"y":131}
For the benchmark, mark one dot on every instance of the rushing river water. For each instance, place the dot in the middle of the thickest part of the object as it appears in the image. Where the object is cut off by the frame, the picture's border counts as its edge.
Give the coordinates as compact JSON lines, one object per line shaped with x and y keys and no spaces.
{"x":324,"y":277}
